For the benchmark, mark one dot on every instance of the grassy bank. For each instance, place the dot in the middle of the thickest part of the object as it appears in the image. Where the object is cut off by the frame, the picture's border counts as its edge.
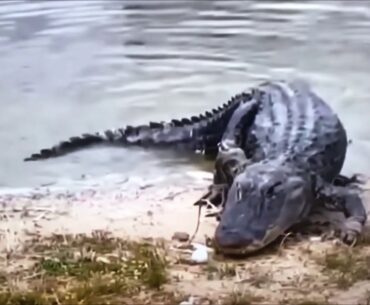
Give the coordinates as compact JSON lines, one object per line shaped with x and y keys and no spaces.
{"x":103,"y":269}
{"x":81,"y":269}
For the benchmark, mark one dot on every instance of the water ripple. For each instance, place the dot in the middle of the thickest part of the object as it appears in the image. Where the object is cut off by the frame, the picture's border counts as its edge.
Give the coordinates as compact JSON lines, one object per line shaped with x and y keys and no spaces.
{"x":73,"y":66}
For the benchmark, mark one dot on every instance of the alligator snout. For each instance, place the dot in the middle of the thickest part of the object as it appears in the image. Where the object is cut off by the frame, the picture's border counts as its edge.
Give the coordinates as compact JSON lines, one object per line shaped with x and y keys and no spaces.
{"x":232,"y":239}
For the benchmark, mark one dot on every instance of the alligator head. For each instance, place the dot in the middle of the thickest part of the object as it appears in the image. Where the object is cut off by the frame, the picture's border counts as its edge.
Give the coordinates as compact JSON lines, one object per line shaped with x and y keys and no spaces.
{"x":263,"y":202}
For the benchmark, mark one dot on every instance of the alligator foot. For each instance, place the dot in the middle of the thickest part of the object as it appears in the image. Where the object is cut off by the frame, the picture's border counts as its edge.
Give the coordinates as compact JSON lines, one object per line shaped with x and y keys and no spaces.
{"x":350,"y":230}
{"x":347,"y":231}
{"x":350,"y":203}
{"x":343,"y":181}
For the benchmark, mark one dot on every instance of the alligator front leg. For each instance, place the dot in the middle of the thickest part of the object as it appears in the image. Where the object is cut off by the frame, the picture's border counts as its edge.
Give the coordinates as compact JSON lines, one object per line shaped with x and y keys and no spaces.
{"x":351,"y":204}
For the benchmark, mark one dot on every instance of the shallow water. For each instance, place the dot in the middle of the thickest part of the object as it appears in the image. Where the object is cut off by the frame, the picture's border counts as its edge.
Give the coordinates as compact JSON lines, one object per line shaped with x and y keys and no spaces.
{"x":69,"y":67}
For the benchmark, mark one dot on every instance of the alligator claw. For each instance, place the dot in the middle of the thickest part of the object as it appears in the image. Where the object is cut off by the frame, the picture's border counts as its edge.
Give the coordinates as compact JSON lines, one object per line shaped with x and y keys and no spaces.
{"x":328,"y":235}
{"x":216,"y":214}
{"x":212,"y":214}
{"x":202,"y":200}
{"x":358,"y":179}
{"x":350,"y":231}
{"x":349,"y":237}
{"x":354,"y":180}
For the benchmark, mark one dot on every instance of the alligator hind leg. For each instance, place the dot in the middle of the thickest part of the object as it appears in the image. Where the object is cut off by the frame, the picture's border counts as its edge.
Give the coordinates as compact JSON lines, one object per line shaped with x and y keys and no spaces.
{"x":349,"y":202}
{"x":231,"y":159}
{"x":239,"y":123}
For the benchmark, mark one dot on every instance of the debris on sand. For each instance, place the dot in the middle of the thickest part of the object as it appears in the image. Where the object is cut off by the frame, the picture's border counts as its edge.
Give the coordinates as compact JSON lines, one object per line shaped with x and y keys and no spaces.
{"x":200,"y":254}
{"x":181,"y":236}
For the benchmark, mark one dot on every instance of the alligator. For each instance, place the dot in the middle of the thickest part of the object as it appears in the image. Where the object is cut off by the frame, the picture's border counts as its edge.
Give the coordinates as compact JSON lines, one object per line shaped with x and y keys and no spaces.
{"x":280,"y":158}
{"x":278,"y":150}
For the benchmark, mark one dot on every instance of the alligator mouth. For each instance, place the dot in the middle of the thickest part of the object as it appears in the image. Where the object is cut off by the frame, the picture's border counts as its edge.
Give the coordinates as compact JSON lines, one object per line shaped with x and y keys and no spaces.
{"x":240,"y":250}
{"x":256,"y":245}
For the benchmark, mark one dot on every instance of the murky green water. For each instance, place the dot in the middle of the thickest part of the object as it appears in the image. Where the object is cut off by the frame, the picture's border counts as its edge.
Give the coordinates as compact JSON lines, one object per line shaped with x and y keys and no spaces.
{"x":67,"y":67}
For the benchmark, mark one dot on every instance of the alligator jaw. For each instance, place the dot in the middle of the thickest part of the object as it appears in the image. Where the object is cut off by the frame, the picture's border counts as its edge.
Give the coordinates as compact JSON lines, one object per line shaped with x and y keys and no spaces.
{"x":256,"y":245}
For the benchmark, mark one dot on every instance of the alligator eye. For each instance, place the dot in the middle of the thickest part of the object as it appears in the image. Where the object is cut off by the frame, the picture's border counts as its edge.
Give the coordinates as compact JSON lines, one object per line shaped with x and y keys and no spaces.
{"x":239,"y":193}
{"x":271,"y":190}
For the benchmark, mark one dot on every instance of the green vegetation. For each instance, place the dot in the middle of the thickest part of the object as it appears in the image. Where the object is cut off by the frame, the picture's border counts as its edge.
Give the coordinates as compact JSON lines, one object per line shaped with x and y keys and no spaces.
{"x":88,"y":270}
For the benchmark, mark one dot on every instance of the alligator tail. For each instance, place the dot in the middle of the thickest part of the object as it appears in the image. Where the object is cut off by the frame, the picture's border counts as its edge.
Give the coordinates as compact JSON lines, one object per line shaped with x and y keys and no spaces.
{"x":200,"y":133}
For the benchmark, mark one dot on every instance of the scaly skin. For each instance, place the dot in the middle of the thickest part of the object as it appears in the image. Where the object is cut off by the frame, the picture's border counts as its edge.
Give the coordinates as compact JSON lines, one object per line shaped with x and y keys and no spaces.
{"x":281,"y":155}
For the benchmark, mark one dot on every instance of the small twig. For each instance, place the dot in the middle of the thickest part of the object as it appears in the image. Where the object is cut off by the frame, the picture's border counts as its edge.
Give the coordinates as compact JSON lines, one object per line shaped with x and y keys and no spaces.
{"x":198,"y":223}
{"x":353,"y":243}
{"x":29,"y":277}
{"x":301,"y":290}
{"x":173,"y":195}
{"x":40,"y":216}
{"x":56,"y":299}
{"x":284,"y":239}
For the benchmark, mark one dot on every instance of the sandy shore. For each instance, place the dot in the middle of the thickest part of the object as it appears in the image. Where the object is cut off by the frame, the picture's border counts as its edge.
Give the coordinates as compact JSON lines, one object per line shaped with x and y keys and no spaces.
{"x":149,"y":210}
{"x":141,"y":209}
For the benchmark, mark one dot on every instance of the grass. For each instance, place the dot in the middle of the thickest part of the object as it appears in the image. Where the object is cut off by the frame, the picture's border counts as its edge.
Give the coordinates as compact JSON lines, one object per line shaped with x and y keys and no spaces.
{"x":345,"y":266}
{"x":241,"y":298}
{"x":305,"y":301}
{"x":219,"y":271}
{"x":3,"y":278}
{"x":364,"y":239}
{"x":87,"y":270}
{"x":30,"y":298}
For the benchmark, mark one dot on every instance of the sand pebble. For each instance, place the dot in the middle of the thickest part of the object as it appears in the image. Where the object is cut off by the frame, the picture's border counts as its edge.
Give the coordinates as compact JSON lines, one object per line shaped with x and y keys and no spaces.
{"x":103,"y":260}
{"x":181,"y":236}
